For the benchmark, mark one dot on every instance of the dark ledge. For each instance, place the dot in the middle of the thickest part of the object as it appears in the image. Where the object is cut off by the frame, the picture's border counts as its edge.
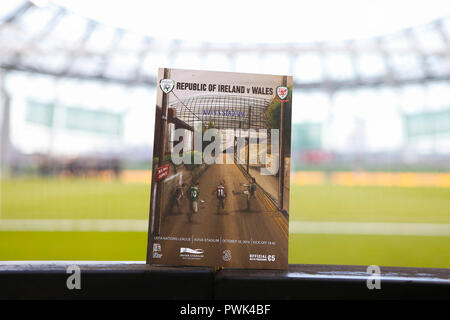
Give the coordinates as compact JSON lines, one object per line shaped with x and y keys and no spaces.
{"x":333,"y":282}
{"x":104,"y":280}
{"x":136,"y":280}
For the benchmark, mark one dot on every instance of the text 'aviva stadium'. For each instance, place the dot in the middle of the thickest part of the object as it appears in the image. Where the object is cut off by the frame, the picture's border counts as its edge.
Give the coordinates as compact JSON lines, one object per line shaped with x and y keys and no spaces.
{"x":225,"y":111}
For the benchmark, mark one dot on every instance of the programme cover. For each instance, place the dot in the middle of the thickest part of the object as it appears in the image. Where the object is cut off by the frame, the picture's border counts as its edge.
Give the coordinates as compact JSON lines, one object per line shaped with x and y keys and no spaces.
{"x":220,"y":174}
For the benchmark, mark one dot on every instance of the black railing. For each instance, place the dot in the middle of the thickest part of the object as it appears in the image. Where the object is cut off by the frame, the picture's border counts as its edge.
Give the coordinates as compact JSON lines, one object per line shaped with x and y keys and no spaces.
{"x":135,"y":280}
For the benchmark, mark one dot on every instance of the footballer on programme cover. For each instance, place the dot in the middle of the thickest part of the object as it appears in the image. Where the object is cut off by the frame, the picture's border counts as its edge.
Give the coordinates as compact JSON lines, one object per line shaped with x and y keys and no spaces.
{"x":220,"y":175}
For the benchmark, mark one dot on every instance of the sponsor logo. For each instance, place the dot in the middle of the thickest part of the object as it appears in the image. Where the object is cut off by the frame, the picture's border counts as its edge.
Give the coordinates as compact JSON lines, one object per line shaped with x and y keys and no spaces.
{"x":167,"y":85}
{"x":282,"y":93}
{"x":226,"y":255}
{"x":262,"y":257}
{"x":193,"y":251}
{"x":191,"y":254}
{"x":157,"y":251}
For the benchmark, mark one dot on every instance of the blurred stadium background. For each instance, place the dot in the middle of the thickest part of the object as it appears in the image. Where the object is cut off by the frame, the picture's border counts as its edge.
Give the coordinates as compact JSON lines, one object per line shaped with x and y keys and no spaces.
{"x":370,"y":179}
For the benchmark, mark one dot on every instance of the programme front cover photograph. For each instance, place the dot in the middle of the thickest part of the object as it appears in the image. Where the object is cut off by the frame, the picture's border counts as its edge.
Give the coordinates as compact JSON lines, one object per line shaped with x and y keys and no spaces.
{"x":220,"y":173}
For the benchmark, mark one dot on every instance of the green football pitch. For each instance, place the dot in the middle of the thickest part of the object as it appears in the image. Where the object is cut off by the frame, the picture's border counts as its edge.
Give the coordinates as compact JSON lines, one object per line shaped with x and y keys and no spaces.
{"x":345,"y":208}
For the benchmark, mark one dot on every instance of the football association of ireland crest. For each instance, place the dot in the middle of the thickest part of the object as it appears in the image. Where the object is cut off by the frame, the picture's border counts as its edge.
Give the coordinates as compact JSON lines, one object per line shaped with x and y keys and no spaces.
{"x":282,"y":93}
{"x":167,"y":85}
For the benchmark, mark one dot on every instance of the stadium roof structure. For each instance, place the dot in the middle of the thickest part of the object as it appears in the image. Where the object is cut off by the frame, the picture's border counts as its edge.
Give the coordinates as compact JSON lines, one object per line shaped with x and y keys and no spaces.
{"x":54,"y":41}
{"x":224,"y":111}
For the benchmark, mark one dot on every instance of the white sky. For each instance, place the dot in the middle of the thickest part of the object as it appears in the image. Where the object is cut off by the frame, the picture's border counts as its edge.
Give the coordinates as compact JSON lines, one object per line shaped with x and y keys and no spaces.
{"x":261,"y":20}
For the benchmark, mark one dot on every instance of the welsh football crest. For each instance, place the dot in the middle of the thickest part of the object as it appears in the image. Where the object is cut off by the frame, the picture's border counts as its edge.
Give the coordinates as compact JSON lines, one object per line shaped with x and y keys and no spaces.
{"x":167,"y":85}
{"x":282,"y":93}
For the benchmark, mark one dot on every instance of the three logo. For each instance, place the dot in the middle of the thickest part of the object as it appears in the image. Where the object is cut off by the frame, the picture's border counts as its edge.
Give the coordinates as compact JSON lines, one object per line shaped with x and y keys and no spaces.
{"x":226,"y":255}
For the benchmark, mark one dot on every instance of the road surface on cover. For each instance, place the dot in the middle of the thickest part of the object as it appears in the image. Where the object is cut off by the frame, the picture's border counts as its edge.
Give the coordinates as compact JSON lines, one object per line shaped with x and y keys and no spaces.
{"x":262,"y":231}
